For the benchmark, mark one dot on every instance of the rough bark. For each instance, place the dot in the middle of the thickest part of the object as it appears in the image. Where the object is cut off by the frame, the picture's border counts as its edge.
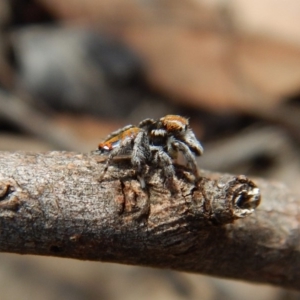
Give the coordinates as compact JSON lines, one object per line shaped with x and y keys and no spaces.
{"x":54,"y":204}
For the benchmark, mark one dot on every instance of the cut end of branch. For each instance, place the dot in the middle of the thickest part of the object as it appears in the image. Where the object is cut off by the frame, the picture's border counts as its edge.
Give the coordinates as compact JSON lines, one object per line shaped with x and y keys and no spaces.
{"x":246,"y":197}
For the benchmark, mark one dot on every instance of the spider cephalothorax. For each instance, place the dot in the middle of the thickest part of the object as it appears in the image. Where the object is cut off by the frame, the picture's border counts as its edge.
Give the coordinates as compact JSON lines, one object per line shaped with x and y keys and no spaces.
{"x":167,"y":137}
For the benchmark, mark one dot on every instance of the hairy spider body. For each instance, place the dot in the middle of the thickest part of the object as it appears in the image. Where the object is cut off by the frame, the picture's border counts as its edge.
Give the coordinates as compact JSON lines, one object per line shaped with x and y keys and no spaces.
{"x":156,"y":142}
{"x":127,"y":140}
{"x":167,"y":137}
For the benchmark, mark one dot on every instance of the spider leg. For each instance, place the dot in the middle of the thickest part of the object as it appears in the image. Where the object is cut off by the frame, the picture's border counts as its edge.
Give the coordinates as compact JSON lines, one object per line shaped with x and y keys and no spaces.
{"x":141,"y":150}
{"x":141,"y":154}
{"x":188,"y":155}
{"x":191,"y":141}
{"x":162,"y":159}
{"x":146,"y":123}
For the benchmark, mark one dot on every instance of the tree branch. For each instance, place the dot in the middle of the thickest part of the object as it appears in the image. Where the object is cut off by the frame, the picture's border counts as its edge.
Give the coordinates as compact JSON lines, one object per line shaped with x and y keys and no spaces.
{"x":53,"y":204}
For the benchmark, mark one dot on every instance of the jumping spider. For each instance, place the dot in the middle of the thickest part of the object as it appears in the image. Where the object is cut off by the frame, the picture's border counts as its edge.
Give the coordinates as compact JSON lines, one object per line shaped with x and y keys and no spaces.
{"x":156,"y":142}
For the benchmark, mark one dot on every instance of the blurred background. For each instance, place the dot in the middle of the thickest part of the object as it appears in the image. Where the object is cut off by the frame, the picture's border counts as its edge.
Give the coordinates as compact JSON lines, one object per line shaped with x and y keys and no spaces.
{"x":73,"y":71}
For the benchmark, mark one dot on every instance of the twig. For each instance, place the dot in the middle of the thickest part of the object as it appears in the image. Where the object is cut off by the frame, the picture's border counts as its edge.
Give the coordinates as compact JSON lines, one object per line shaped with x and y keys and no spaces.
{"x":54,"y":204}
